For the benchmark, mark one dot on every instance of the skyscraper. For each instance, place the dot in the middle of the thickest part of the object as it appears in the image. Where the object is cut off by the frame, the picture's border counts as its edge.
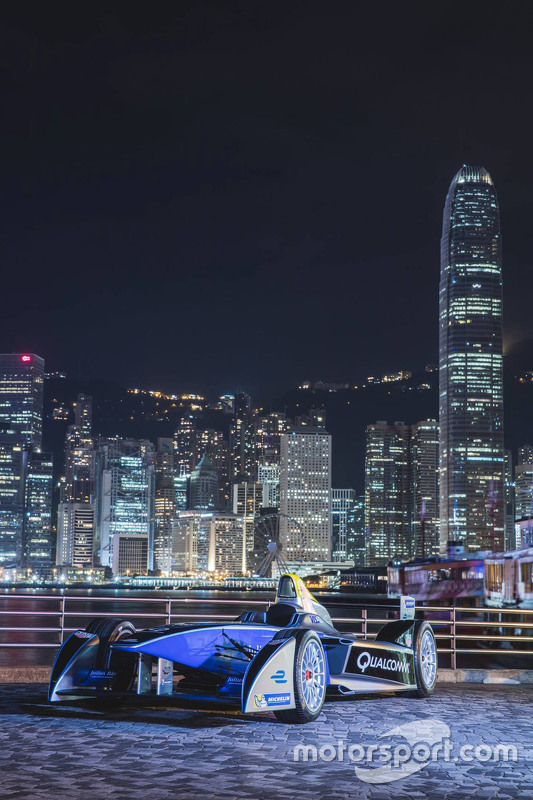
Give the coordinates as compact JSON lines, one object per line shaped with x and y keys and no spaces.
{"x":524,"y":483}
{"x":21,"y":397}
{"x":164,"y":504}
{"x":342,"y":506}
{"x":470,"y":365}
{"x":38,"y":511}
{"x":21,"y":422}
{"x":243,"y":440}
{"x":124,"y":498}
{"x":401,"y":491}
{"x":425,"y":487}
{"x":387,"y":493}
{"x":204,"y":485}
{"x":305,"y":492}
{"x":75,"y":532}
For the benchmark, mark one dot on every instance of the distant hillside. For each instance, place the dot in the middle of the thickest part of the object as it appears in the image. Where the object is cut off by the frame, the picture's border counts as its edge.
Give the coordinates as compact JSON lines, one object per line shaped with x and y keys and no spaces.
{"x":349,"y":411}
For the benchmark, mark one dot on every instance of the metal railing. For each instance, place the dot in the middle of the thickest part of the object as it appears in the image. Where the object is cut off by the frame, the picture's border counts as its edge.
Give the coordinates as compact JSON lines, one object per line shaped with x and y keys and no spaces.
{"x":460,"y":631}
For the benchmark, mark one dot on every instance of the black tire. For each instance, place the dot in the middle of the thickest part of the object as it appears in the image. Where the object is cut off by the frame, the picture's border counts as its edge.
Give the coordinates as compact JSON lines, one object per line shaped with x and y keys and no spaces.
{"x":426,"y":678}
{"x":302,"y":712}
{"x":109,"y":630}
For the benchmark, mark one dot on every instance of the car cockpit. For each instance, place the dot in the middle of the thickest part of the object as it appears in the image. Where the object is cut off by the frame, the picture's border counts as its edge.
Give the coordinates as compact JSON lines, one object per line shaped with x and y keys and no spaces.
{"x":295,"y":606}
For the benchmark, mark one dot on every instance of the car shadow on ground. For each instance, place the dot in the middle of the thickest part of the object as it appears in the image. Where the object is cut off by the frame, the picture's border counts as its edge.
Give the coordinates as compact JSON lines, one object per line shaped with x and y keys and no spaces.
{"x":156,"y":711}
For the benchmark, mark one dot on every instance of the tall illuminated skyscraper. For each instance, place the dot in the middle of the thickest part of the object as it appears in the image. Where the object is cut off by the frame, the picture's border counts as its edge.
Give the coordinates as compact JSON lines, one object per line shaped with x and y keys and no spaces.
{"x":24,"y":507}
{"x":124,"y":495}
{"x":387,"y":493}
{"x":21,"y":397}
{"x":305,"y":493}
{"x":470,"y":365}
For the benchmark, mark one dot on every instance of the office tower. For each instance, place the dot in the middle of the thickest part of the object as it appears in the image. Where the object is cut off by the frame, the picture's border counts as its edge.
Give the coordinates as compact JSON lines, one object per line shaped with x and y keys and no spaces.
{"x":164,"y":504}
{"x":21,"y":411}
{"x":247,"y":498}
{"x":185,"y":542}
{"x":225,"y":544}
{"x":524,"y":483}
{"x":470,"y":365}
{"x":21,"y":397}
{"x":75,"y":534}
{"x":124,"y":495}
{"x":243,"y":441}
{"x":387,"y":493}
{"x":77,"y":484}
{"x":13,"y":469}
{"x":355,"y":534}
{"x":185,"y":444}
{"x":213,"y":444}
{"x":342,"y":505}
{"x":204,"y":486}
{"x":305,"y":493}
{"x":181,"y":489}
{"x":38,"y":511}
{"x":75,"y":524}
{"x":268,"y":477}
{"x":130,"y":554}
{"x":425,"y":488}
{"x":190,"y":542}
{"x":509,"y":499}
{"x":83,"y":415}
{"x":269,"y":429}
{"x":247,"y":505}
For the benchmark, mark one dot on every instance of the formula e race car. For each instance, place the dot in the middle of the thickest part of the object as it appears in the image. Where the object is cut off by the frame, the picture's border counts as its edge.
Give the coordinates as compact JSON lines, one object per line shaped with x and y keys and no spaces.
{"x":283,"y":660}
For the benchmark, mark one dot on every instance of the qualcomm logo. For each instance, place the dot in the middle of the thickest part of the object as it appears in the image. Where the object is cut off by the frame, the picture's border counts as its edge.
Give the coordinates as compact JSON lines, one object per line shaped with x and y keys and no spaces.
{"x":365,"y":660}
{"x":279,"y":676}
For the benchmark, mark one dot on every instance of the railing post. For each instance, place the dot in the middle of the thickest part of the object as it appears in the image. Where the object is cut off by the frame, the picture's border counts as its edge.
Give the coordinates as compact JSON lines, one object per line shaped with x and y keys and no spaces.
{"x":454,"y":643}
{"x":169,"y":610}
{"x":62,"y":634}
{"x":364,"y":623}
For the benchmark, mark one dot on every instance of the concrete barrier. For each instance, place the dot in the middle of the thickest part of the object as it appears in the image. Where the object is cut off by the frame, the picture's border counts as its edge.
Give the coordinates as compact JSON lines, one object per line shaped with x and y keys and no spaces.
{"x":499,"y":676}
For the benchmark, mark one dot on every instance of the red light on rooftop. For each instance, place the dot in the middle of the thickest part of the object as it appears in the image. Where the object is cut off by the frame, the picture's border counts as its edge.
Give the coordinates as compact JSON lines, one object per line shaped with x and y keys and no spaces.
{"x":25,"y":358}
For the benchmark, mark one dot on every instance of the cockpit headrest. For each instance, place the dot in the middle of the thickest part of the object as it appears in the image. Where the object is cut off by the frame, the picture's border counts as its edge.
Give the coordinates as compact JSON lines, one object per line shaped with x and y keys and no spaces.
{"x":293,"y":591}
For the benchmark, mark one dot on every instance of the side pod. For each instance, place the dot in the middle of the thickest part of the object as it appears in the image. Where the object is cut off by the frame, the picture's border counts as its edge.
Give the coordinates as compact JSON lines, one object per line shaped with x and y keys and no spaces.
{"x":73,"y":664}
{"x":269,"y":680}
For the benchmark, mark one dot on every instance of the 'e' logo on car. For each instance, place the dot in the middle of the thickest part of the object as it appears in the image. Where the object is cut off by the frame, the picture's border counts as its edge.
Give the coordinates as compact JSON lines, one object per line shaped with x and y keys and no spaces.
{"x":279,"y":676}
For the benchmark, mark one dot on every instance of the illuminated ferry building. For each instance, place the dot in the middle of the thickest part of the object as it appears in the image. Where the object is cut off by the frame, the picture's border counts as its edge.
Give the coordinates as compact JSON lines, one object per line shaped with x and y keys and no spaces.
{"x":470,"y":365}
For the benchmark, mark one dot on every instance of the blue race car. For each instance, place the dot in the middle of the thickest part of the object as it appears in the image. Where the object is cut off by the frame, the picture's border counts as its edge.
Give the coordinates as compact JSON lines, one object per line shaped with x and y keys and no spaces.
{"x":282,"y":660}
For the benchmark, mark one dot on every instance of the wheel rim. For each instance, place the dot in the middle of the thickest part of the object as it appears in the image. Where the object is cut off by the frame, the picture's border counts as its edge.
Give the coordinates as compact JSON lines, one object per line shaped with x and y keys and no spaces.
{"x":428,"y":658}
{"x":313,"y":675}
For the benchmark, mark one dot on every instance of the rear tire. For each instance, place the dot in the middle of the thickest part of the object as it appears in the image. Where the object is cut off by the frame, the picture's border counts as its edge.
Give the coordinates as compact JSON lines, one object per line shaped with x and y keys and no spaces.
{"x":425,"y":659}
{"x":109,"y":630}
{"x":309,"y":680}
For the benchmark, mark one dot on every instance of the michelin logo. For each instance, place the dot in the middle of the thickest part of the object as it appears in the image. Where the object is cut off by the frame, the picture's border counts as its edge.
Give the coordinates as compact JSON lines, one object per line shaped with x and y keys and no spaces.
{"x":365,"y":660}
{"x":266,"y":700}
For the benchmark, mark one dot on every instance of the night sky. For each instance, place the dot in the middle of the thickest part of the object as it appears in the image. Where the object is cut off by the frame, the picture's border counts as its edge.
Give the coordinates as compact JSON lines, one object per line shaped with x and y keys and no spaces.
{"x":217,"y":196}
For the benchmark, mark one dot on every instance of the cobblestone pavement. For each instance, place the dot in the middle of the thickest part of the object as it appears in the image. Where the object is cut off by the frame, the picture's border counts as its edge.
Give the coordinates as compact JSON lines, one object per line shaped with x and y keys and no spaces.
{"x":150,"y":751}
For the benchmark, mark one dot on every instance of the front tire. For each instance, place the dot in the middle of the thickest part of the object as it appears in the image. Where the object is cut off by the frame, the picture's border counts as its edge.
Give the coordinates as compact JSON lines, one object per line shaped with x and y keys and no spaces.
{"x":109,"y":630}
{"x":309,"y":680}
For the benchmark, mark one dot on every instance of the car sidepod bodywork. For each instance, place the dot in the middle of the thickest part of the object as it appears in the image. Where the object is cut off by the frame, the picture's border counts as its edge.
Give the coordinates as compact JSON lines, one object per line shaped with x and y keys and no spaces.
{"x":283,"y":660}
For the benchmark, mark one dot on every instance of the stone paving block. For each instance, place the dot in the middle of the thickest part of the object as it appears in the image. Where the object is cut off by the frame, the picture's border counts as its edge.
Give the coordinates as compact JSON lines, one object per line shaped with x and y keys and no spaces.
{"x":143,"y":752}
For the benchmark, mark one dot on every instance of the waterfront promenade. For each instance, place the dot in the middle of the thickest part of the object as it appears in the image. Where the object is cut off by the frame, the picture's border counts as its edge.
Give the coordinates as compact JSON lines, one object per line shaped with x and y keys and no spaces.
{"x":149,"y":751}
